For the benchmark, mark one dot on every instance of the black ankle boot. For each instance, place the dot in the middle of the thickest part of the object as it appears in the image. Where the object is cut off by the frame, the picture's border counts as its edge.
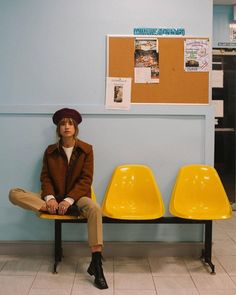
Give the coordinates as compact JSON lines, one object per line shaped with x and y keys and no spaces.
{"x":95,"y":269}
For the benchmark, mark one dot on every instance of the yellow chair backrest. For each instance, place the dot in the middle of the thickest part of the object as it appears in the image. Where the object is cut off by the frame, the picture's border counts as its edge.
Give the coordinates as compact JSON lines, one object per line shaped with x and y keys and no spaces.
{"x":133,"y":194}
{"x":199,"y":194}
{"x":93,"y":195}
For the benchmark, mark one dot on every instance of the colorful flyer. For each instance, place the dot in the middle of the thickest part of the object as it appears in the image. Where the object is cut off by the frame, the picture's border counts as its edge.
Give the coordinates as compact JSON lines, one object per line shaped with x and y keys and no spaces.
{"x":146,"y":61}
{"x":196,"y":55}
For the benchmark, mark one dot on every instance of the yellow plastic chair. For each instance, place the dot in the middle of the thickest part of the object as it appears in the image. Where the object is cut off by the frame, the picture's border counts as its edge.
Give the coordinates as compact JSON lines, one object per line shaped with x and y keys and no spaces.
{"x":133,"y":194}
{"x":199,"y":194}
{"x":65,"y":217}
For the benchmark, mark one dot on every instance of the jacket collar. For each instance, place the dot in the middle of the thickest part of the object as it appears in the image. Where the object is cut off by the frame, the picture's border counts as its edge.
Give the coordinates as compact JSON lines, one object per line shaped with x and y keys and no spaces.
{"x":79,"y":144}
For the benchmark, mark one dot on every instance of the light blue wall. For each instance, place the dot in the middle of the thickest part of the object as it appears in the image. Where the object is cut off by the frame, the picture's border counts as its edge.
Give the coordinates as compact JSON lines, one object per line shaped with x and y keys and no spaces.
{"x":53,"y":51}
{"x":52,"y":55}
{"x":222,"y":17}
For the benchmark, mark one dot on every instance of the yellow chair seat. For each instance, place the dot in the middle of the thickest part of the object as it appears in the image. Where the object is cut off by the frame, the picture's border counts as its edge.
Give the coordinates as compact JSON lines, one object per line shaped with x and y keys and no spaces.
{"x":133,"y":194}
{"x":65,"y":217}
{"x":199,"y":194}
{"x":56,"y":216}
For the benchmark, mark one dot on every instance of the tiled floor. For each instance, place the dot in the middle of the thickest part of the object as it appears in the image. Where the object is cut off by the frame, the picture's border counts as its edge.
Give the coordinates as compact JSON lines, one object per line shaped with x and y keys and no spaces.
{"x":127,"y":275}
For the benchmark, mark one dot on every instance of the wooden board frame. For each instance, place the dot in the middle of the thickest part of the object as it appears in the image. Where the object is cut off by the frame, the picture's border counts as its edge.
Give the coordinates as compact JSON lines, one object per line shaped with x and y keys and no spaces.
{"x":176,"y":85}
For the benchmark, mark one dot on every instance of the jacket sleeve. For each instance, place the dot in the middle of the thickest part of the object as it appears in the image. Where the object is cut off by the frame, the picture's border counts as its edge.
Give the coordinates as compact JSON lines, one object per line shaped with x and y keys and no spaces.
{"x":82,"y":187}
{"x":46,"y":182}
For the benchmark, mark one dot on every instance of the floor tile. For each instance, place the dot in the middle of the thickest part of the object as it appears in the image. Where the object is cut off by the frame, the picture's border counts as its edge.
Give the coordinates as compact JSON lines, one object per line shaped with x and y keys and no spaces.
{"x":86,"y":287}
{"x":225,"y":224}
{"x":135,"y":292}
{"x":49,"y":292}
{"x":211,"y":282}
{"x":168,"y":266}
{"x":228,"y":263}
{"x":225,"y":247}
{"x":177,"y":285}
{"x":219,"y":234}
{"x":82,"y":266}
{"x":133,"y":276}
{"x":3,"y":261}
{"x":130,"y":260}
{"x":233,"y":278}
{"x":62,"y":280}
{"x":232,"y":234}
{"x":15,"y":285}
{"x":195,"y":265}
{"x":204,"y":280}
{"x":217,"y":292}
{"x":21,"y":266}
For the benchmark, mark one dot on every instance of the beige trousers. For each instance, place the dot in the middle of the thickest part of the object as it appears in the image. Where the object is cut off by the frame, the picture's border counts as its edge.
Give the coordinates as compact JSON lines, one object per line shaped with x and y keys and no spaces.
{"x":89,"y":209}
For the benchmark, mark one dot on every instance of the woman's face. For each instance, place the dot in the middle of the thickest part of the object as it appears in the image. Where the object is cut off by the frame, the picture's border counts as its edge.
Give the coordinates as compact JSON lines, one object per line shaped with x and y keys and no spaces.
{"x":67,"y":128}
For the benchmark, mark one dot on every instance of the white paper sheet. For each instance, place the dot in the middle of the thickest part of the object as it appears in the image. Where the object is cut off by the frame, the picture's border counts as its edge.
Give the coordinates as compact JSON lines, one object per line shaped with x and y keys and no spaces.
{"x":219,"y":108}
{"x":118,"y":93}
{"x":142,"y":75}
{"x":217,"y":79}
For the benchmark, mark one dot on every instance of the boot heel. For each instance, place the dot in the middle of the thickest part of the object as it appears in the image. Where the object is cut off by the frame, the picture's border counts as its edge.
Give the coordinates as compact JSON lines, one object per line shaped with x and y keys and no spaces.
{"x":90,"y":271}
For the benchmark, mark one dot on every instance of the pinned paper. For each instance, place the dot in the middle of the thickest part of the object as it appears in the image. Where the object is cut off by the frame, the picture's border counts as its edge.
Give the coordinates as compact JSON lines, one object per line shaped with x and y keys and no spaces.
{"x":118,"y":93}
{"x":217,"y":79}
{"x":219,"y":108}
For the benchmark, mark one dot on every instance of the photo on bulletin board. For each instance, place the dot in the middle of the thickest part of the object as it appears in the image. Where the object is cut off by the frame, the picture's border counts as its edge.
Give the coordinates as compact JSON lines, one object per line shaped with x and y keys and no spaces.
{"x":146,"y":61}
{"x":175,"y":84}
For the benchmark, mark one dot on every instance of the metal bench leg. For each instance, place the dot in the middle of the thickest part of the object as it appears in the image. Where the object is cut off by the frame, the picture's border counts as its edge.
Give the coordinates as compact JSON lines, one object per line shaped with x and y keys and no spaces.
{"x":57,"y":245}
{"x":208,"y":245}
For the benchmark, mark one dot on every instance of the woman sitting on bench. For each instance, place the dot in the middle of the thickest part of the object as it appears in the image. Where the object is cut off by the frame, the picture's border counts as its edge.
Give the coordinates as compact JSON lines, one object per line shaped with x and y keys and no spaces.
{"x":66,"y":179}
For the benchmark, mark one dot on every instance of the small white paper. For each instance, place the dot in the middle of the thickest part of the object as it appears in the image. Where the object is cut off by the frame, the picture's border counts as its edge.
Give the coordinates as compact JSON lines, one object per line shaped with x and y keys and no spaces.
{"x":118,"y":93}
{"x":217,"y":79}
{"x":142,"y":75}
{"x":232,"y":28}
{"x":219,"y":108}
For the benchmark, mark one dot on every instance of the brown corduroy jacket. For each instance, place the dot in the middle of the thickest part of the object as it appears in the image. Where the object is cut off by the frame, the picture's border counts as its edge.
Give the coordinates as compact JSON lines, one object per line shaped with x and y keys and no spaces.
{"x":62,"y":179}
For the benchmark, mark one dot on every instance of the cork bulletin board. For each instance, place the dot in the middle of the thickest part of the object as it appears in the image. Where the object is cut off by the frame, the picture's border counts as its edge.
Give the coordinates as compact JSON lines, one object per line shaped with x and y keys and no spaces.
{"x":176,"y":85}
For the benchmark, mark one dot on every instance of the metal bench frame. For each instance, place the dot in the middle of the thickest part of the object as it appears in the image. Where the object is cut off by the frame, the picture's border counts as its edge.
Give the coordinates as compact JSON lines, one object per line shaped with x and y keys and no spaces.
{"x":206,"y":251}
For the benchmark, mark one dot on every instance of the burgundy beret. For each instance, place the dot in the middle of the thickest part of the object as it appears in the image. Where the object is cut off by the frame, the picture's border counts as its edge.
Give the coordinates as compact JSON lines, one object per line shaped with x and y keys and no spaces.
{"x":66,"y":113}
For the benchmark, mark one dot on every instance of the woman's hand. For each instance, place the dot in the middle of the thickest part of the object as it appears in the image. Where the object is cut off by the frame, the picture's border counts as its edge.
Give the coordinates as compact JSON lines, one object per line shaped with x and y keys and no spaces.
{"x":63,"y":207}
{"x":52,"y":206}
